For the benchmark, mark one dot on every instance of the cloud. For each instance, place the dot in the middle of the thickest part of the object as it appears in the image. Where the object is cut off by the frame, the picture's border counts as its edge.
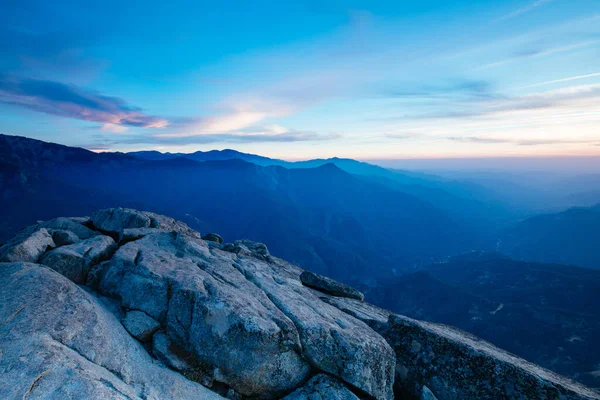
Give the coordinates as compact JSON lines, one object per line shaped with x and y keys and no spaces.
{"x":233,"y":120}
{"x":525,"y":9}
{"x":114,"y":128}
{"x":404,"y":136}
{"x":572,"y":78}
{"x":554,"y":99}
{"x":518,"y":142}
{"x":462,"y":88}
{"x":236,"y":114}
{"x":529,"y":54}
{"x":267,"y":136}
{"x":71,"y":101}
{"x":268,"y":133}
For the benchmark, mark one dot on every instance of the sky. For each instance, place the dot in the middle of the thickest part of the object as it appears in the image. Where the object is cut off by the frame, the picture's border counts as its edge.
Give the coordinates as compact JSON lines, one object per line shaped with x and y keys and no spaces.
{"x":376,"y":80}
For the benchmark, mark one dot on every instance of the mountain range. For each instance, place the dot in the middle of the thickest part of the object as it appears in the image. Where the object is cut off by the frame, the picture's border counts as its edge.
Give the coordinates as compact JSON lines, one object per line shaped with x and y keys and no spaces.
{"x":416,"y":243}
{"x":569,"y":237}
{"x":324,"y":218}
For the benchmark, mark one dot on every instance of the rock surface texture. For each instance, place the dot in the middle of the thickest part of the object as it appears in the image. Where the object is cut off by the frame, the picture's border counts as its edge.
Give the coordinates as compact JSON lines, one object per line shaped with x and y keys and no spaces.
{"x":134,"y":305}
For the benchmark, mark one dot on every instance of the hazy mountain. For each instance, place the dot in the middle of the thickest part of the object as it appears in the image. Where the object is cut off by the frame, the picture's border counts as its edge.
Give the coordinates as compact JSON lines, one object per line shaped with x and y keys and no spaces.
{"x":569,"y":237}
{"x":531,"y":191}
{"x":546,"y":313}
{"x":322,"y":218}
{"x":213,"y":155}
{"x":482,"y":211}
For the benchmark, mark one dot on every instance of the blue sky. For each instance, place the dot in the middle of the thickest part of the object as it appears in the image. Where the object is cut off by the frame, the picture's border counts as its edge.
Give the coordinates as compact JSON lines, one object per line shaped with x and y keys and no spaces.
{"x":295,"y":80}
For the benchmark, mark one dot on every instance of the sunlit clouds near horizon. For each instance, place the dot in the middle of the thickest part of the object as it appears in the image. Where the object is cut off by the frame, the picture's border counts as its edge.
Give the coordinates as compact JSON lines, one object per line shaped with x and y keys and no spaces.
{"x":306,"y":79}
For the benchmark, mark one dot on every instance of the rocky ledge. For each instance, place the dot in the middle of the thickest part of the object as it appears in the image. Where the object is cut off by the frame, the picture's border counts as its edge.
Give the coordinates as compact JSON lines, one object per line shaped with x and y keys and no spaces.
{"x":133,"y":305}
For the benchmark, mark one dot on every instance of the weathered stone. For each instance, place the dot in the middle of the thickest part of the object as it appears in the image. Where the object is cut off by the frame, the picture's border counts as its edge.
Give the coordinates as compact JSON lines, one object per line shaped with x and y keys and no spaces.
{"x":329,"y":286}
{"x":62,"y":237}
{"x":248,"y":248}
{"x":332,"y":340}
{"x":373,"y":316}
{"x":213,"y":237}
{"x":75,"y":260}
{"x":96,"y":273}
{"x":114,"y":221}
{"x":322,"y":387}
{"x":140,"y":325}
{"x":75,"y":225}
{"x":27,"y":246}
{"x":456,"y":365}
{"x":131,"y":234}
{"x":161,"y":349}
{"x":59,"y":342}
{"x":228,"y":328}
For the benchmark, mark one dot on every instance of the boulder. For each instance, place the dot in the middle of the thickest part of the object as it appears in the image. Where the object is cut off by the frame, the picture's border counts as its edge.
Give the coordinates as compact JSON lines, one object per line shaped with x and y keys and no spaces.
{"x":75,"y":260}
{"x":74,"y":225}
{"x":248,"y":248}
{"x":223,"y":325}
{"x":58,"y":341}
{"x":329,"y":286}
{"x":456,"y":365}
{"x":322,"y":387}
{"x":140,"y":325}
{"x":27,"y":246}
{"x":131,"y":234}
{"x":113,"y":221}
{"x":213,"y":237}
{"x":62,"y":237}
{"x":332,"y":340}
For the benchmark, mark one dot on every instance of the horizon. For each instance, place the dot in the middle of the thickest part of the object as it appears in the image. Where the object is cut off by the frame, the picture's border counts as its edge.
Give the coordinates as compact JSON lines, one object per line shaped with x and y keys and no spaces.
{"x":555,"y":164}
{"x":303,"y":80}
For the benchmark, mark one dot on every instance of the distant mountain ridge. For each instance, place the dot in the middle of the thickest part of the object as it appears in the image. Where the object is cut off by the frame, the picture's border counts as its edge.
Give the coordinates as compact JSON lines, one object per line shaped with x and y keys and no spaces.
{"x":470,"y":203}
{"x":322,"y":218}
{"x":567,"y":237}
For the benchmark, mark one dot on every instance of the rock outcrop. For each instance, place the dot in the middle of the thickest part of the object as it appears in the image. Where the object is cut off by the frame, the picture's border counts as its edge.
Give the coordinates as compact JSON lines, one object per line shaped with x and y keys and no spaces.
{"x":130,"y":304}
{"x":324,"y":284}
{"x":58,"y":341}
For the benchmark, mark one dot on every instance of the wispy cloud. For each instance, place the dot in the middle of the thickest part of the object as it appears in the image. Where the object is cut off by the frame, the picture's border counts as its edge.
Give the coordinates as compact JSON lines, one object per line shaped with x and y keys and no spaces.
{"x":247,"y":133}
{"x":238,"y":118}
{"x":537,"y":54}
{"x":518,"y":142}
{"x":469,"y":89}
{"x":572,"y":78}
{"x":526,"y":9}
{"x":268,"y":135}
{"x":71,"y":101}
{"x":553,"y":99}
